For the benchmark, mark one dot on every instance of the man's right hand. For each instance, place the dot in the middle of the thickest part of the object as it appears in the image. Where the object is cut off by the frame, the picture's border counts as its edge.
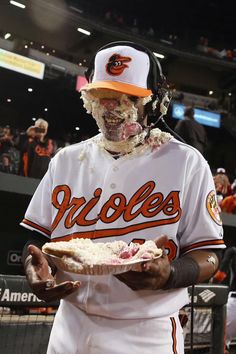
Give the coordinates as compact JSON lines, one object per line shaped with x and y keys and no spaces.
{"x":42,"y":281}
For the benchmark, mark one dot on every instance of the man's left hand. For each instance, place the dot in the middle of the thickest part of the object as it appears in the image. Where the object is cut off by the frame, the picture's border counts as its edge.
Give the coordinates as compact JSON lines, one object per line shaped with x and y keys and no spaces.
{"x":154,"y":274}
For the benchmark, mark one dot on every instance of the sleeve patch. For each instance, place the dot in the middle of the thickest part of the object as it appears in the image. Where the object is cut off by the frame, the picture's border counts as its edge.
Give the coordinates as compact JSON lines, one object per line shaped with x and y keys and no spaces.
{"x":213,"y":207}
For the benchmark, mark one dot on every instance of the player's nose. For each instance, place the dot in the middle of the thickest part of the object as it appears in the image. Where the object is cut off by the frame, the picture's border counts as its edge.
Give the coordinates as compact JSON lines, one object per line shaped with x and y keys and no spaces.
{"x":109,"y":103}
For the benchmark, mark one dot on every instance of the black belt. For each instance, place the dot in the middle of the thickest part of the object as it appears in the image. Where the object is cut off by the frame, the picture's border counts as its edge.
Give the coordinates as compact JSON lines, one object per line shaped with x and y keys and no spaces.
{"x":233,"y":295}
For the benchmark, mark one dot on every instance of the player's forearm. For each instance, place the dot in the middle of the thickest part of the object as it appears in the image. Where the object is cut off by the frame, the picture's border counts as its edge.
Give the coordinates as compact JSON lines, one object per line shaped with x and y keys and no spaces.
{"x":195,"y":267}
{"x":207,"y":261}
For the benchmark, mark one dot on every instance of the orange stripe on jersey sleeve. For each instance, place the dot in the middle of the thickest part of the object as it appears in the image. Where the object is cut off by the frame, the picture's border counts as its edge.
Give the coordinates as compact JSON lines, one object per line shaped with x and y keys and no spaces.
{"x":201,"y":244}
{"x":36,"y":226}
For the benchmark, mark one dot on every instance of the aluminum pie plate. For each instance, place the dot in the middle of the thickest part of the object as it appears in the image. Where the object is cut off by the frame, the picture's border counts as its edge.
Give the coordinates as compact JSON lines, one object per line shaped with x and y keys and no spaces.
{"x":68,"y":264}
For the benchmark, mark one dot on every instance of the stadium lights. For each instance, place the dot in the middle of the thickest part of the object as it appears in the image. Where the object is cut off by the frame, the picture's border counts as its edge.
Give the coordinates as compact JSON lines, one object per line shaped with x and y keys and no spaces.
{"x":18,"y":4}
{"x":83,"y":31}
{"x":7,"y":35}
{"x":158,"y":55}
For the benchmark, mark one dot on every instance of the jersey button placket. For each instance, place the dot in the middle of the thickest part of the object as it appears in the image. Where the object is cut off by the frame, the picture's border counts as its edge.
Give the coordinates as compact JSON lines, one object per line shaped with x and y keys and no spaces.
{"x":110,"y":185}
{"x":115,"y":168}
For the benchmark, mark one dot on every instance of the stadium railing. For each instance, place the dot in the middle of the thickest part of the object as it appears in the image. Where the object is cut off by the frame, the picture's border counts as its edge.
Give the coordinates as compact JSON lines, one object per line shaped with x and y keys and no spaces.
{"x":204,"y":331}
{"x":26,"y":321}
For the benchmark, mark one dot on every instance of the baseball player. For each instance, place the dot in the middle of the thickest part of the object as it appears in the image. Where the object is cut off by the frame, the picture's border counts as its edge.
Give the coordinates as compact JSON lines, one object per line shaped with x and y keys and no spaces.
{"x":131,"y":182}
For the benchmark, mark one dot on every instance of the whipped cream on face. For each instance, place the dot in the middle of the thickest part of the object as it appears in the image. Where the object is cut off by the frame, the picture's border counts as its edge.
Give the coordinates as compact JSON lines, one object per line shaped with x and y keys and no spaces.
{"x":137,"y":145}
{"x":120,"y":118}
{"x":125,"y":111}
{"x":131,"y":133}
{"x":124,"y":146}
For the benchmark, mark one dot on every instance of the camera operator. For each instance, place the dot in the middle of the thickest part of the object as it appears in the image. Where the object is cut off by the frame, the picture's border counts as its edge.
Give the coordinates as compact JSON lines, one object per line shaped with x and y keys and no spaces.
{"x":40,"y":150}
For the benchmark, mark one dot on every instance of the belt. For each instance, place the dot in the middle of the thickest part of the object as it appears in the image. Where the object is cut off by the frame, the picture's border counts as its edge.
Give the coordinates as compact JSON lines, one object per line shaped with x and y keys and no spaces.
{"x":233,"y":294}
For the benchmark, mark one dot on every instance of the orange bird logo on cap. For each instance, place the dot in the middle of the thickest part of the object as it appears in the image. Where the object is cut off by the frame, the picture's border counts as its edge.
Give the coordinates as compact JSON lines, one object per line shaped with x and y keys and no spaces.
{"x":116,"y":64}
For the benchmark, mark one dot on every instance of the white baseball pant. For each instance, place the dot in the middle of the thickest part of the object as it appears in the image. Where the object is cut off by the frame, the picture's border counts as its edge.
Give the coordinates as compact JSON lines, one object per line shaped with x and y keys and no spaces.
{"x":75,"y":332}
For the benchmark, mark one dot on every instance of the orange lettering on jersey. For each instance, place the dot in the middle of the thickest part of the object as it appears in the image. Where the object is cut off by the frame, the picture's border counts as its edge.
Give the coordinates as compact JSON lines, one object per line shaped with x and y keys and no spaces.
{"x":63,"y":206}
{"x":116,"y":202}
{"x":74,"y":206}
{"x":152,"y":205}
{"x":81,"y":218}
{"x":171,"y":249}
{"x":171,"y":204}
{"x":141,"y":194}
{"x":143,"y":202}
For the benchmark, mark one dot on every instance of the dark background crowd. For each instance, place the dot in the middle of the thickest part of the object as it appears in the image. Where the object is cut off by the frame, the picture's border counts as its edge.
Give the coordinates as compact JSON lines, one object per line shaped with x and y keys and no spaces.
{"x":28,"y":152}
{"x":203,"y":29}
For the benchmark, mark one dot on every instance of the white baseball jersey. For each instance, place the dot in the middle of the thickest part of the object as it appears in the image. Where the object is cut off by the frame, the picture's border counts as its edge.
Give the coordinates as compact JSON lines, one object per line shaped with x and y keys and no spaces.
{"x":87,"y":193}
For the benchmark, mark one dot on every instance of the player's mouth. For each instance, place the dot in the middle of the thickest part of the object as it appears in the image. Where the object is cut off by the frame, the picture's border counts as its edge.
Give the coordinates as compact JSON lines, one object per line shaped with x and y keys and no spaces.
{"x":112,"y":121}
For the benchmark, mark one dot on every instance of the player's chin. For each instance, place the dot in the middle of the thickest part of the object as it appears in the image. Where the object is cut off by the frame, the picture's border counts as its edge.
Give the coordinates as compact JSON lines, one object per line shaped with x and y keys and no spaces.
{"x":113,"y":132}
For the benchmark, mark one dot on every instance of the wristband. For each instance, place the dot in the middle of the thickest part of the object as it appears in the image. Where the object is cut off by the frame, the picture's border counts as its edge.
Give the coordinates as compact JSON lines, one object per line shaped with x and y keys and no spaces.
{"x":183,"y":272}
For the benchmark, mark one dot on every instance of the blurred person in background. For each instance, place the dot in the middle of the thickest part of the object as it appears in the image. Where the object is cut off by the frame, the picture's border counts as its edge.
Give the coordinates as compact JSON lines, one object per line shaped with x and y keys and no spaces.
{"x":191,"y":131}
{"x":6,"y":143}
{"x":64,"y":140}
{"x":40,"y":151}
{"x":222,"y":184}
{"x":228,"y":204}
{"x":25,"y":139}
{"x":233,"y":186}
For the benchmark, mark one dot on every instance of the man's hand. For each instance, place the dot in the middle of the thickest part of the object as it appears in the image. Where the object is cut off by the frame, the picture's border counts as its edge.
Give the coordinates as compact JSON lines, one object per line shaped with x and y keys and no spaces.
{"x":41,"y":280}
{"x":154,"y":274}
